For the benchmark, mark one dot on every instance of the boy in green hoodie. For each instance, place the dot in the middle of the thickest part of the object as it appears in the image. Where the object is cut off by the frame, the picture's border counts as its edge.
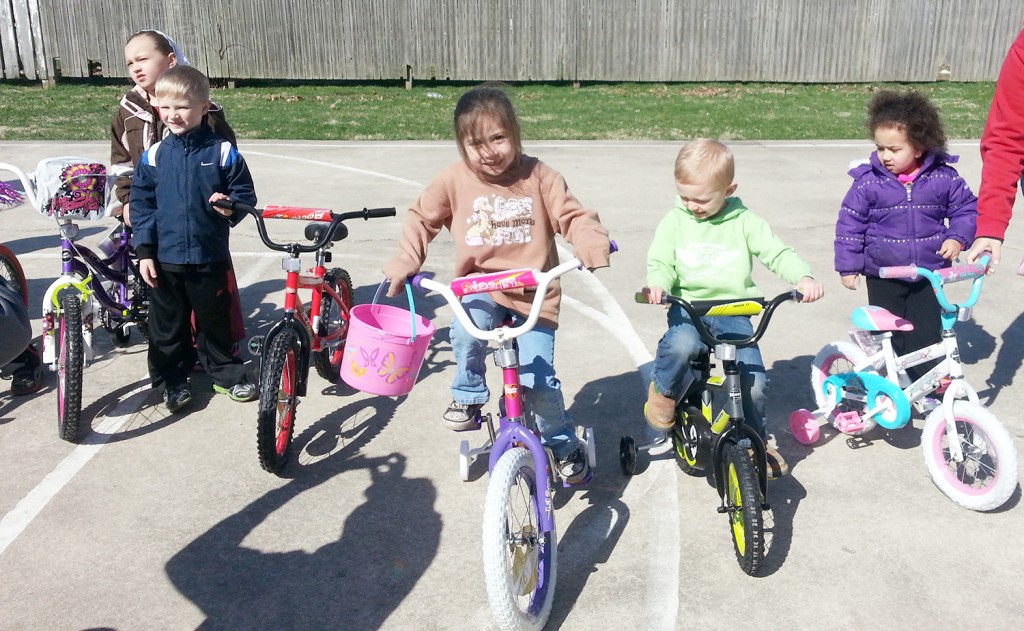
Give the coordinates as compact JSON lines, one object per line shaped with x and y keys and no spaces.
{"x":704,"y":250}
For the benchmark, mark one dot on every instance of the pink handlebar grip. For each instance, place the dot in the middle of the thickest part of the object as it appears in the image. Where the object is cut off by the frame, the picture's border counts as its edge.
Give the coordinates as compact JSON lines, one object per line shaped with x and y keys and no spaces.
{"x":961,"y":272}
{"x":497,"y":281}
{"x":898,"y":271}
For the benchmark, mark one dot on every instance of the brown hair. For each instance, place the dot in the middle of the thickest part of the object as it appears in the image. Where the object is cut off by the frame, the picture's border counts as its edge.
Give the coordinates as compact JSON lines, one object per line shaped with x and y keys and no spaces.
{"x":159,"y":41}
{"x":910,"y":112}
{"x":485,"y":100}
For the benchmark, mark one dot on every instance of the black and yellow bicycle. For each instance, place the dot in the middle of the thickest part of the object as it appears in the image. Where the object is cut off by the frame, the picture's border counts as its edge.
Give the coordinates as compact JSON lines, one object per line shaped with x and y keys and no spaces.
{"x":721,"y":444}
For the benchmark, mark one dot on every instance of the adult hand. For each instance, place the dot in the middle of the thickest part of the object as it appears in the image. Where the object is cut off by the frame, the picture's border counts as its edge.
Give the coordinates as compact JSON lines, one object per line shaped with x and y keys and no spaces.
{"x":810,"y":288}
{"x":851,"y":281}
{"x":982,"y":245}
{"x":950,"y":249}
{"x":147,"y":269}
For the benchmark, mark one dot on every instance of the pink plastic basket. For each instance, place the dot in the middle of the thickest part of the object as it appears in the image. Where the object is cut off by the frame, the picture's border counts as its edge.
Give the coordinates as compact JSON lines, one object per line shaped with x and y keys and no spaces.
{"x":385,"y":347}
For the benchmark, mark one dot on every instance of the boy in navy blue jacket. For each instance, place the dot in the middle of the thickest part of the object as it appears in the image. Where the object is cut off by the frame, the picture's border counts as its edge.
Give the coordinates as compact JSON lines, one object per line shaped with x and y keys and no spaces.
{"x":182,"y":241}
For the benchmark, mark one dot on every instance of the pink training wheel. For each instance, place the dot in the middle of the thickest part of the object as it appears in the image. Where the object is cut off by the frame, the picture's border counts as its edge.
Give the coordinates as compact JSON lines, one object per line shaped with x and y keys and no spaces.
{"x":804,"y":427}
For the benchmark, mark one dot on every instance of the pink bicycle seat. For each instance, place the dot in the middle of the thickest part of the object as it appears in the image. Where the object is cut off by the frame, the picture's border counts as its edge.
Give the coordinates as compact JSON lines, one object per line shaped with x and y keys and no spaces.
{"x":871,"y":318}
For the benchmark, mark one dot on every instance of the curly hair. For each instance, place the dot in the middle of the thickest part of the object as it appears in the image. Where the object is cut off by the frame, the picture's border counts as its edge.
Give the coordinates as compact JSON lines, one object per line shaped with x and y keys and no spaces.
{"x":910,"y":112}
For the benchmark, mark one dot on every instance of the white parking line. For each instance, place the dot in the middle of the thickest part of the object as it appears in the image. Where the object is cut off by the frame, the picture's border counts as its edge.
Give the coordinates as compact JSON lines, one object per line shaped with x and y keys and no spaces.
{"x":26,"y":510}
{"x":658,"y":489}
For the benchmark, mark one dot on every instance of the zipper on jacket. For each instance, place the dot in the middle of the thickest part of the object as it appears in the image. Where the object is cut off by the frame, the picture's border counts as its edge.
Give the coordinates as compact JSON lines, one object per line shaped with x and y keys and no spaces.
{"x":913,"y":227}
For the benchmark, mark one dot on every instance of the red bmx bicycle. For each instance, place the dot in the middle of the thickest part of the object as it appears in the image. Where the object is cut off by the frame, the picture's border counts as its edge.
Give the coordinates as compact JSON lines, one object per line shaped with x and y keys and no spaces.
{"x":316,"y":329}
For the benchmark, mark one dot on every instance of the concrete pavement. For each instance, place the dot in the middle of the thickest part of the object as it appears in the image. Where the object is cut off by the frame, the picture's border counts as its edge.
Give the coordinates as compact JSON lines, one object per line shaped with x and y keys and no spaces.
{"x":167,"y":522}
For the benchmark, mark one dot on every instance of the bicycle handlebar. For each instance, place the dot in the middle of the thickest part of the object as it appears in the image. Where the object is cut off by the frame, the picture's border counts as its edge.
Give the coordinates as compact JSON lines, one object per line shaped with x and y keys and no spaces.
{"x":306,"y":214}
{"x":972,"y":271}
{"x":497,"y":281}
{"x":28,"y":186}
{"x":747,"y":306}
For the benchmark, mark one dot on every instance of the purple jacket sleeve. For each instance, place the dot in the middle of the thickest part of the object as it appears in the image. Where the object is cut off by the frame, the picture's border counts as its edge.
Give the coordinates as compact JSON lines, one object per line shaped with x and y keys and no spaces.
{"x":850,"y":230}
{"x":961,"y":213}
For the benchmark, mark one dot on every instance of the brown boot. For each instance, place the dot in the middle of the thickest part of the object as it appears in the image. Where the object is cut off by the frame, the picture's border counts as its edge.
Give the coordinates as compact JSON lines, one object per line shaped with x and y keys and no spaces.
{"x":777,"y":466}
{"x":659,"y":410}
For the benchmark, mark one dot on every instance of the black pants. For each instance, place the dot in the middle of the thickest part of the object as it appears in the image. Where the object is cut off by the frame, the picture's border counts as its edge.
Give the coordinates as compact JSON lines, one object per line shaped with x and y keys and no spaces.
{"x":177,"y":295}
{"x":914,"y":301}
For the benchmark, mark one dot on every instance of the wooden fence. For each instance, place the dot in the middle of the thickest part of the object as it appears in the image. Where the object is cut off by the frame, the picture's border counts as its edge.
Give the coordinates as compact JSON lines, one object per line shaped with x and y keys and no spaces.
{"x":524,"y":40}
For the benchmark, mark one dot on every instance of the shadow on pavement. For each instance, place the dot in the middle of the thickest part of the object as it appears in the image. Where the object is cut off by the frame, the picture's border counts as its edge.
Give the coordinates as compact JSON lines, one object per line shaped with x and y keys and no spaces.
{"x":383,"y":548}
{"x":587,"y":542}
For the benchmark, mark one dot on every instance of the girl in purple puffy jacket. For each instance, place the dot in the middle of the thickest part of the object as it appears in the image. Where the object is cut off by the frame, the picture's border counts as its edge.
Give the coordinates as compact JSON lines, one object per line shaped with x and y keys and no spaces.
{"x":907,"y":206}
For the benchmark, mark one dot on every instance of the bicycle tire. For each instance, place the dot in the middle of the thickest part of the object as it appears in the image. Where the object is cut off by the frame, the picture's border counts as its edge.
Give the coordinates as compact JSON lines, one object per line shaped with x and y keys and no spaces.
{"x":328,"y":360}
{"x":12,"y":271}
{"x":519,"y":561}
{"x":69,"y":367}
{"x":988,"y":476}
{"x":743,"y":501}
{"x":833,"y":358}
{"x":275,"y":422}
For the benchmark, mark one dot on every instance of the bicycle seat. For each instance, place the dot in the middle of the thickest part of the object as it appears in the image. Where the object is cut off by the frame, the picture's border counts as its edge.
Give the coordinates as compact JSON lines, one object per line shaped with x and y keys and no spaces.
{"x":315,"y":231}
{"x":872,"y":318}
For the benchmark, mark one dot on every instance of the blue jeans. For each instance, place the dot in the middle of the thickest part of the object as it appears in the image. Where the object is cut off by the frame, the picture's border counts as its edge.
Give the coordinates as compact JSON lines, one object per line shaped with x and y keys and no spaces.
{"x":543,"y":394}
{"x":672,"y":375}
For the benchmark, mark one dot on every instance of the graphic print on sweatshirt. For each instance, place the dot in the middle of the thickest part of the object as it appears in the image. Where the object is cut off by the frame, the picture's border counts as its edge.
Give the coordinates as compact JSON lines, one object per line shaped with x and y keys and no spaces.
{"x":496,"y":220}
{"x":704,"y":260}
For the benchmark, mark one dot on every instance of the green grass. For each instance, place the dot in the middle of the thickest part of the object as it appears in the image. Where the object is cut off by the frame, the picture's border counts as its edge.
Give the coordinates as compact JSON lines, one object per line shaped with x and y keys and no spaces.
{"x":629,"y":111}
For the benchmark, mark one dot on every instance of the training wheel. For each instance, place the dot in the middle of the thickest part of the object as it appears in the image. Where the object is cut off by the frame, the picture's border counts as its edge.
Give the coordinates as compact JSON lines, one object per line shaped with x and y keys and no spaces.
{"x":627,"y":455}
{"x":804,"y":427}
{"x":464,"y":460}
{"x":591,"y":447}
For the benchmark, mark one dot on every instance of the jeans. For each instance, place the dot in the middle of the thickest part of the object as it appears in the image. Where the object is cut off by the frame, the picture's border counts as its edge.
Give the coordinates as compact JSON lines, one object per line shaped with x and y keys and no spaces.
{"x":672,"y":375}
{"x":543,"y":391}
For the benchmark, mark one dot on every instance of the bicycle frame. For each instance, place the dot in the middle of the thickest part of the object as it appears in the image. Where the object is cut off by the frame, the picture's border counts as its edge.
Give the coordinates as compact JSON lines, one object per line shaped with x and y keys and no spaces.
{"x":512,"y":428}
{"x":85,"y":271}
{"x":306,"y":324}
{"x":946,"y":349}
{"x":725,"y":351}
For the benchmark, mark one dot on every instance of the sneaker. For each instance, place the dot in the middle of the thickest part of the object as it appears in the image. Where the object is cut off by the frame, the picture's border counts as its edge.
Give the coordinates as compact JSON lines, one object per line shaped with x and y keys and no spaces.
{"x":26,"y":380}
{"x":659,"y":410}
{"x":573,"y":468}
{"x":777,"y":466}
{"x":240,"y":392}
{"x":461,"y":416}
{"x":177,"y":397}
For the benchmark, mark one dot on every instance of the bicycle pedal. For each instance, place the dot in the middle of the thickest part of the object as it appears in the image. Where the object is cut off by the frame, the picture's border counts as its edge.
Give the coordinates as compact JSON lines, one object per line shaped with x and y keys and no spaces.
{"x":857,"y":442}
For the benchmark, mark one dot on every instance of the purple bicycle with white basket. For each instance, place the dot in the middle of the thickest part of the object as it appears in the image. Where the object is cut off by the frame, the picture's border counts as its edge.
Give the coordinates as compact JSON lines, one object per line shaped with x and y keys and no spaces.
{"x":95,"y":286}
{"x":857,"y":385}
{"x":519,"y":538}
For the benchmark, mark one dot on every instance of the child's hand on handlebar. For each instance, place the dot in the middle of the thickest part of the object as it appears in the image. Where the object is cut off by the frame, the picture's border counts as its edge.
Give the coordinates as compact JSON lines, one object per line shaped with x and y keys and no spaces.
{"x":654,"y":295}
{"x":811,"y":289}
{"x":223,"y":212}
{"x":397,"y":270}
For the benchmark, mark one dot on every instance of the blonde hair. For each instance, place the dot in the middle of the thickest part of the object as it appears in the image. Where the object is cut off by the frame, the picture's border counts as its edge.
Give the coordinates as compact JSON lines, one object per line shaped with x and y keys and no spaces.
{"x":704,"y":159}
{"x":184,"y":81}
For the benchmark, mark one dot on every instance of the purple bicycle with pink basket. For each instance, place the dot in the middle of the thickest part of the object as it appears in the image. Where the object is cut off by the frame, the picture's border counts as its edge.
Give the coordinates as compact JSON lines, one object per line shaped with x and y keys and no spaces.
{"x":857,"y":385}
{"x":519,"y":538}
